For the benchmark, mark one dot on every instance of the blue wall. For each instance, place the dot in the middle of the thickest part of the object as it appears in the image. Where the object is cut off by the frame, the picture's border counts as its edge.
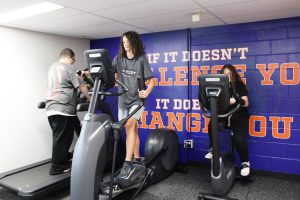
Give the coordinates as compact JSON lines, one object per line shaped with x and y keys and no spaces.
{"x":267,"y":54}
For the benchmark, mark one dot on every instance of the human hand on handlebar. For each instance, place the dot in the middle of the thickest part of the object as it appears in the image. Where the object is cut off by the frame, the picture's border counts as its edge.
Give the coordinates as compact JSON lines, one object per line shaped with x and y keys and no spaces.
{"x":85,"y":74}
{"x":232,"y":101}
{"x":143,"y":94}
{"x":88,"y":99}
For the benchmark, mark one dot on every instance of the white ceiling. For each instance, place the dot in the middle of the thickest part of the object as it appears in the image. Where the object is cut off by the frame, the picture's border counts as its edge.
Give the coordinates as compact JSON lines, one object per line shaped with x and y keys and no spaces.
{"x":94,"y":19}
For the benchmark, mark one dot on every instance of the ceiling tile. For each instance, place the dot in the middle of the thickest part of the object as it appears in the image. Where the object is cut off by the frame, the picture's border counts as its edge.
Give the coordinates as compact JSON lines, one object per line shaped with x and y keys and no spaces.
{"x":211,"y":3}
{"x":92,"y":5}
{"x":69,"y":23}
{"x":47,"y":17}
{"x":169,"y":19}
{"x":147,"y":9}
{"x":254,"y":7}
{"x":262,"y":16}
{"x":185,"y":25}
{"x":6,"y":6}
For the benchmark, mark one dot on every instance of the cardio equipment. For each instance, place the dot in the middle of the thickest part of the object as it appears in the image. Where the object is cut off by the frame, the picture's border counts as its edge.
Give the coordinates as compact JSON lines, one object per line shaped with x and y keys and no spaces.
{"x":214,"y":97}
{"x":33,"y":181}
{"x":161,"y":148}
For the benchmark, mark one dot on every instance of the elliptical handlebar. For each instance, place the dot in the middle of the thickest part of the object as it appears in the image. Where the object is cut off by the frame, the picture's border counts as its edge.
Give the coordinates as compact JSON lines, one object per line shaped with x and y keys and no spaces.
{"x":85,"y":106}
{"x":124,"y":87}
{"x":207,"y":114}
{"x":141,"y":87}
{"x":141,"y":83}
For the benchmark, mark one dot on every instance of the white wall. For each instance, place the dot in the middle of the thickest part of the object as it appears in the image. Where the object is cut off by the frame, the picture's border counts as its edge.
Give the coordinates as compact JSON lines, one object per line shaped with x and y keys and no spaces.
{"x":25,"y":135}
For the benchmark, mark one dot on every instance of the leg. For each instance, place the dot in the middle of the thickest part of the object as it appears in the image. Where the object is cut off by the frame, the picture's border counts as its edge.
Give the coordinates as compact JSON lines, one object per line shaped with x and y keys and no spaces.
{"x":132,"y":143}
{"x":222,"y":123}
{"x":136,"y":152}
{"x":137,"y":116}
{"x":209,"y":135}
{"x":209,"y":154}
{"x":77,"y":126}
{"x":77,"y":129}
{"x":63,"y":130}
{"x":240,"y":130}
{"x":131,"y":137}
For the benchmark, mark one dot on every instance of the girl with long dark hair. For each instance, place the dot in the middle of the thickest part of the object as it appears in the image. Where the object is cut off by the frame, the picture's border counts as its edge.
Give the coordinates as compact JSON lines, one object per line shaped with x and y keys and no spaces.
{"x":239,"y":121}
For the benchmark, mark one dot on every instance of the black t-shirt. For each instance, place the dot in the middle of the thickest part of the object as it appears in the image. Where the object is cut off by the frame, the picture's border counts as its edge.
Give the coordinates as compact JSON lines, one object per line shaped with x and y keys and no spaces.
{"x":241,"y":91}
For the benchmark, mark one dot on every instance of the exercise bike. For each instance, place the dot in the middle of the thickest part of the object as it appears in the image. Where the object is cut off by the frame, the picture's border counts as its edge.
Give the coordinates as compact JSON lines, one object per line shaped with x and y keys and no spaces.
{"x":214,"y":97}
{"x":161,"y":148}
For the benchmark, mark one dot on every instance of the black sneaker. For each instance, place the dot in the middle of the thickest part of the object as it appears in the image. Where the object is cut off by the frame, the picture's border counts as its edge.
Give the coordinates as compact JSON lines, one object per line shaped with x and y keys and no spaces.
{"x":138,"y":160}
{"x":59,"y":171}
{"x":126,"y":170}
{"x":55,"y":170}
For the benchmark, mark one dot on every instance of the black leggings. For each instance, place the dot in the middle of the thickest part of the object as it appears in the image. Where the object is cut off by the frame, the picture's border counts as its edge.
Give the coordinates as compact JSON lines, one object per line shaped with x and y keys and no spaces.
{"x":240,"y":129}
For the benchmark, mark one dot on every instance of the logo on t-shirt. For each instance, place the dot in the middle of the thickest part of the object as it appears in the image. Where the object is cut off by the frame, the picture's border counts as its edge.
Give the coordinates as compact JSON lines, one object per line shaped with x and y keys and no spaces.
{"x":127,"y":72}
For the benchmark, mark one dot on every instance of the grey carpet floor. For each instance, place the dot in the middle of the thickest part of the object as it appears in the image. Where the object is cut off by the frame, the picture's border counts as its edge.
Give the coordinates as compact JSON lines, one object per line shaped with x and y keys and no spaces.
{"x":179,"y":186}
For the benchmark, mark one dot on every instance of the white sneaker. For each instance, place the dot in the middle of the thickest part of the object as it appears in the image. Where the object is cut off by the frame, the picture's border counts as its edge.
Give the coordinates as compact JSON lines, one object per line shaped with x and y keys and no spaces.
{"x":209,"y":154}
{"x":245,"y":171}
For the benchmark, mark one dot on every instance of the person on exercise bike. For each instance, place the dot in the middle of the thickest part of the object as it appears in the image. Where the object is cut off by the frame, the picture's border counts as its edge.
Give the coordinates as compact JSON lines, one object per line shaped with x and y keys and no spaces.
{"x":129,"y":64}
{"x":239,"y":121}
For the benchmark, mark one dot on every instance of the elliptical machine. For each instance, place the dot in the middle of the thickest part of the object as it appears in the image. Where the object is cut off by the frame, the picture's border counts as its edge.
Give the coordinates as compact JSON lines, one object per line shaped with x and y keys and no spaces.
{"x":161,"y":148}
{"x":214,"y":97}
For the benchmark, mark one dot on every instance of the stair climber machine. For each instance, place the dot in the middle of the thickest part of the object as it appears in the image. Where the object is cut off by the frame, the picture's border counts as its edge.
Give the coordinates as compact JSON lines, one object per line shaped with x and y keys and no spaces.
{"x":214,"y":97}
{"x":161,"y":148}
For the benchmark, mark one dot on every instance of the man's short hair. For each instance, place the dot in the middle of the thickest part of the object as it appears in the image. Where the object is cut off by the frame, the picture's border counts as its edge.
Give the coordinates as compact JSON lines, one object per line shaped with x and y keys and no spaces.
{"x":67,"y":53}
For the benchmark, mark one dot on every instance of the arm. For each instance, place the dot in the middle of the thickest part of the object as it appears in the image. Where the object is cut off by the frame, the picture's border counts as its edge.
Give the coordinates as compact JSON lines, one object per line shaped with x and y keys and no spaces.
{"x":242,"y":100}
{"x":78,"y":82}
{"x":240,"y":94}
{"x":86,"y":76}
{"x":85,"y":91}
{"x":89,"y":81}
{"x":245,"y":98}
{"x":145,"y":93}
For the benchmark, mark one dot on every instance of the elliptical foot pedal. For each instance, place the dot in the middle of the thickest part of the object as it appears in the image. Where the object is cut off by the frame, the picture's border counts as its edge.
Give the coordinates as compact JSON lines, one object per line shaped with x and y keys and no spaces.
{"x":104,"y":189}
